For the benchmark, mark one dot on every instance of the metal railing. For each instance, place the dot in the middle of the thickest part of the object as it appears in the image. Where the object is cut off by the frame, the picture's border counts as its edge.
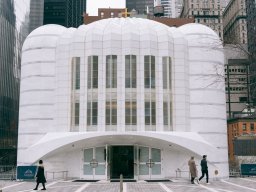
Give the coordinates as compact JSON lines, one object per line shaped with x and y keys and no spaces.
{"x":7,"y":172}
{"x":52,"y":175}
{"x":180,"y":173}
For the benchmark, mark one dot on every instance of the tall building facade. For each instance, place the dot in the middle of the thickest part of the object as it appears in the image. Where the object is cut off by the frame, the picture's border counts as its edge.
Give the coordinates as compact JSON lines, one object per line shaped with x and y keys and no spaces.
{"x":172,"y":8}
{"x":13,"y":30}
{"x":142,"y":7}
{"x":237,"y":80}
{"x":234,"y":22}
{"x":205,"y":12}
{"x":36,"y":14}
{"x":9,"y":84}
{"x":169,"y":8}
{"x":251,"y":28}
{"x":68,"y":13}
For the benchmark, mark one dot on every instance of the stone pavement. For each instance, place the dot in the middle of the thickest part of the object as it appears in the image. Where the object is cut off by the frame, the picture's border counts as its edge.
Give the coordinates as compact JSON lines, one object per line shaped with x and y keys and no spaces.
{"x":247,"y":184}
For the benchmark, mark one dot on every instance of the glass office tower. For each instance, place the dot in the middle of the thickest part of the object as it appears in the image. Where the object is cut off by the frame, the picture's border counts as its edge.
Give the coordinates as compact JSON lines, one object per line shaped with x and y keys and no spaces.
{"x":9,"y":83}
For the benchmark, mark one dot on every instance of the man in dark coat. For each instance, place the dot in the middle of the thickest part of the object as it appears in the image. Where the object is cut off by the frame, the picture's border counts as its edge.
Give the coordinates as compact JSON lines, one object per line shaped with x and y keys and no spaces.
{"x":40,"y":178}
{"x":204,"y":169}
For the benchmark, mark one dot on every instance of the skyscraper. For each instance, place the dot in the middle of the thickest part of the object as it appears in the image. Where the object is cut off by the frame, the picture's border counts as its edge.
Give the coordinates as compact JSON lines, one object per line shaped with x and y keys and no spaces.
{"x":251,"y":29}
{"x":13,"y":30}
{"x":206,"y":12}
{"x":142,"y":6}
{"x":234,"y":23}
{"x":68,"y":13}
{"x":36,"y":14}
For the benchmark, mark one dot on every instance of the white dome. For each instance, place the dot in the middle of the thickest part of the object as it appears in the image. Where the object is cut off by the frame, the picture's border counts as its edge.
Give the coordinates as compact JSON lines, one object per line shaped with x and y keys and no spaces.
{"x":43,"y":36}
{"x":196,"y":28}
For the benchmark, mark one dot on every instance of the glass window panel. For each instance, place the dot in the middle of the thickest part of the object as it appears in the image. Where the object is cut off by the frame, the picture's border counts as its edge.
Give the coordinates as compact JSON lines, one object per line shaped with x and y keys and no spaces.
{"x":156,"y":155}
{"x":77,"y":114}
{"x":108,"y":72}
{"x":134,"y":120}
{"x":127,"y":72}
{"x":89,"y":113}
{"x":170,"y":114}
{"x":134,"y":71}
{"x":165,"y":111}
{"x":152,"y":75}
{"x":89,"y":73}
{"x":170,"y":73}
{"x":100,"y":170}
{"x":94,"y":120}
{"x":156,"y":169}
{"x":88,"y":155}
{"x":143,"y":170}
{"x":165,"y":75}
{"x":78,"y":73}
{"x":143,"y":154}
{"x":88,"y":170}
{"x":100,"y":154}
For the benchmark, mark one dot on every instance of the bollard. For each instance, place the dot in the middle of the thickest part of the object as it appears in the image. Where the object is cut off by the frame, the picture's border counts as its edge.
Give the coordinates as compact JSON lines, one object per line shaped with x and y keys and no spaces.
{"x":121,"y":183}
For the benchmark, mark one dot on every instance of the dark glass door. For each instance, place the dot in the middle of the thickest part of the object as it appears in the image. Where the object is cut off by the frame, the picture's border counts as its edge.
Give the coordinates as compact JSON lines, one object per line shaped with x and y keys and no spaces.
{"x":122,"y":162}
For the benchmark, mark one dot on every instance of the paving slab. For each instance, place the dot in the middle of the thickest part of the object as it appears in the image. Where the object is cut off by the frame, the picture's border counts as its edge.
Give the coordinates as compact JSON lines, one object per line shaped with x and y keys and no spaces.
{"x":247,"y":184}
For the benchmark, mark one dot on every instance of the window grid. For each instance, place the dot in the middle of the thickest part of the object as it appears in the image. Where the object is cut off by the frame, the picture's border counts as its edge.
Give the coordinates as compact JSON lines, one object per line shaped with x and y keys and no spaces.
{"x":149,"y":71}
{"x":130,"y":113}
{"x":111,"y":71}
{"x":111,"y":113}
{"x":92,"y":72}
{"x":75,"y":73}
{"x":130,"y":71}
{"x":92,"y":113}
{"x":150,"y":113}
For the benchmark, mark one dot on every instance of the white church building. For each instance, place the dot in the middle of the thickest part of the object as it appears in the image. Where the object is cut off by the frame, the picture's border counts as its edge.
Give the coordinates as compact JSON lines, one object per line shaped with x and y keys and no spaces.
{"x":124,"y":96}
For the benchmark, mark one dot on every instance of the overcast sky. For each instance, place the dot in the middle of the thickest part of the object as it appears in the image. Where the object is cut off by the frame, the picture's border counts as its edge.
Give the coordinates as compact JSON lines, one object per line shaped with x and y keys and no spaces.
{"x":93,"y":5}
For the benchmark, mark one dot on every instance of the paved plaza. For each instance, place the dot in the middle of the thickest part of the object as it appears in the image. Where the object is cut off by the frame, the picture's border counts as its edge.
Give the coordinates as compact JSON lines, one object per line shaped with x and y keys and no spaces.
{"x":177,"y":185}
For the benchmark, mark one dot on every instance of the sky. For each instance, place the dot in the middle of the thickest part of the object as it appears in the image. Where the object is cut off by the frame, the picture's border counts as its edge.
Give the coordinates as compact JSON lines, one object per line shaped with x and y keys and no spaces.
{"x":93,"y":5}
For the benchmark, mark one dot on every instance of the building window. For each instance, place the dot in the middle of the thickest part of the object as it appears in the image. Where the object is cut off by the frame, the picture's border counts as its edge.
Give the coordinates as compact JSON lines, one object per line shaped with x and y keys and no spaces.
{"x":102,"y":14}
{"x":130,"y":71}
{"x":150,"y":113}
{"x":252,"y":126}
{"x":167,"y":73}
{"x":130,"y":113}
{"x":244,"y":126}
{"x":92,"y":113}
{"x":149,"y":71}
{"x":111,"y":113}
{"x":75,"y":115}
{"x":111,"y":71}
{"x":92,"y":72}
{"x":75,"y":73}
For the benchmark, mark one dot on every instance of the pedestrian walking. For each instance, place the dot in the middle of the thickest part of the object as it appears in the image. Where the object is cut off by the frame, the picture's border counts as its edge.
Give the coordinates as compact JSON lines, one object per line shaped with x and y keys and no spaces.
{"x":192,"y":169}
{"x":204,"y":169}
{"x":40,"y":178}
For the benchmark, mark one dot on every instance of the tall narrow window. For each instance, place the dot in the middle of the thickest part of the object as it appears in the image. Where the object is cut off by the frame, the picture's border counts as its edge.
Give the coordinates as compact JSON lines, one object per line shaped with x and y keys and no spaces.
{"x":111,"y":113}
{"x":77,"y":114}
{"x":167,"y":73}
{"x":130,"y":71}
{"x":150,"y":113}
{"x":92,"y":72}
{"x":75,"y":73}
{"x":130,"y":113}
{"x":92,"y":113}
{"x":74,"y":116}
{"x":149,"y":71}
{"x":111,"y":71}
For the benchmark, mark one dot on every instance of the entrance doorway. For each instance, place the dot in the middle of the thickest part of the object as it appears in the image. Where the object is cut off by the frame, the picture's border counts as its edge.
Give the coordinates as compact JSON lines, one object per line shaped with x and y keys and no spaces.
{"x":122,"y":162}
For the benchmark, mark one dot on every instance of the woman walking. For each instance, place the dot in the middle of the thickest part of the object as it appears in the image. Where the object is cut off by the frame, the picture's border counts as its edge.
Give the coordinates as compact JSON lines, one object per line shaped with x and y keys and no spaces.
{"x":40,"y":178}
